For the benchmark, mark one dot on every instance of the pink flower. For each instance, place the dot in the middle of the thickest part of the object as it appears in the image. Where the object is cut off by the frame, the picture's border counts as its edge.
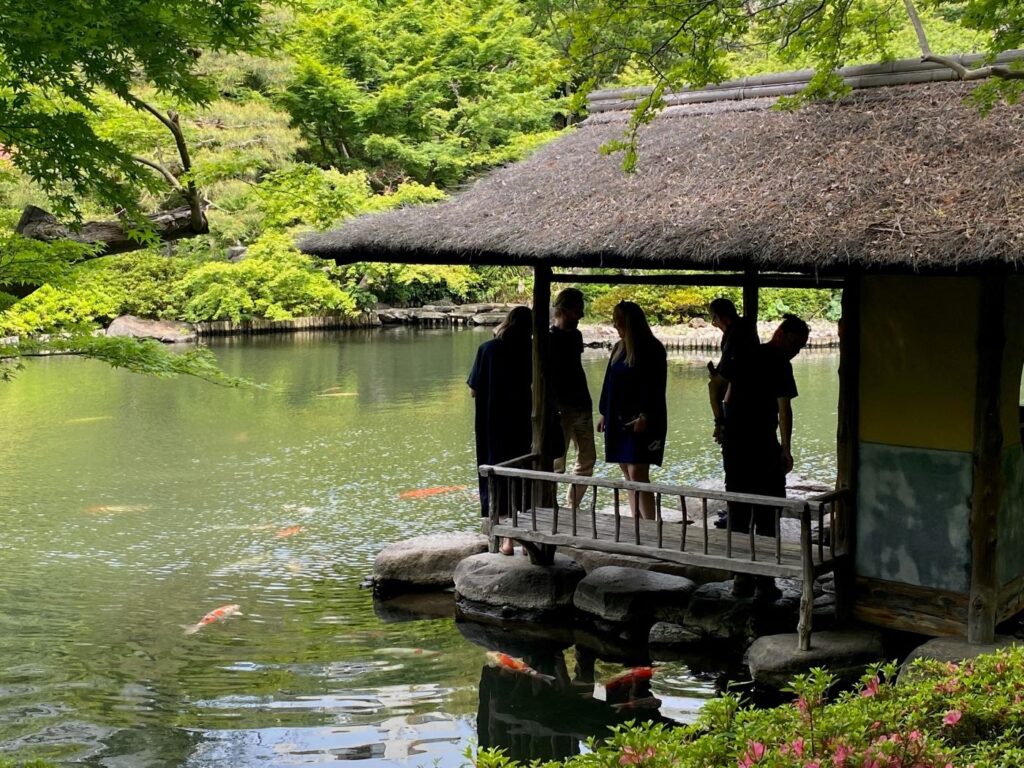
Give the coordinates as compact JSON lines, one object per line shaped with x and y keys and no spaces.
{"x":915,"y":735}
{"x":1000,"y":667}
{"x":802,"y":705}
{"x":755,"y":751}
{"x":952,"y":717}
{"x":631,"y":756}
{"x":813,"y":764}
{"x":796,"y":747}
{"x":841,"y":753}
{"x":871,"y":688}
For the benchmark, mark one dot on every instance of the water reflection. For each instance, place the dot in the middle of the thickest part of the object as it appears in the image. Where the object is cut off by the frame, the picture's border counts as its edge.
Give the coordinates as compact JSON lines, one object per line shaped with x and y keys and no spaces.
{"x":132,"y":506}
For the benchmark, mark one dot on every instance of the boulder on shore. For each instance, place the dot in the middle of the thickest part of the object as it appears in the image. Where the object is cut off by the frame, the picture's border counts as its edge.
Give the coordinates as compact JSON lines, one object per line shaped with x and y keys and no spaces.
{"x":423,"y":562}
{"x":167,"y":331}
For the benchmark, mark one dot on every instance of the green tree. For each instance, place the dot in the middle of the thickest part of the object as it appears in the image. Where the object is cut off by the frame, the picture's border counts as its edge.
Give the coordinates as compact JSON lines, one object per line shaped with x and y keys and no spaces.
{"x":424,"y":90}
{"x":57,"y":59}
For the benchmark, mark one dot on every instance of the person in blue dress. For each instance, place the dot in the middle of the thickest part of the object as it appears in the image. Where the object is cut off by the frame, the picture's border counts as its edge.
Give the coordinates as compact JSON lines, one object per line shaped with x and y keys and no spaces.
{"x":634,"y":416}
{"x":500,"y":383}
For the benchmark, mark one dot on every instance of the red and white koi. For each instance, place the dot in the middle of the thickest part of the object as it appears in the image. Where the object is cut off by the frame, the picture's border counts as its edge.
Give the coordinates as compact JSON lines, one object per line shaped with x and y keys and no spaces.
{"x":512,"y":664}
{"x":217,"y":614}
{"x":626,"y":680}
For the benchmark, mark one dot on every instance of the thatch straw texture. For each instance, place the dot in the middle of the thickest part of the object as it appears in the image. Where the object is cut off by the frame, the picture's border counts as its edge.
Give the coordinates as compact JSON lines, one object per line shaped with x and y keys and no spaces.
{"x":900,"y":178}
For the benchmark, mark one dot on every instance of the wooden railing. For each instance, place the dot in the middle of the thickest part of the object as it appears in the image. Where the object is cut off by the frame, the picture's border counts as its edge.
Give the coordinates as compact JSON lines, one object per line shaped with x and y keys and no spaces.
{"x":526,"y":505}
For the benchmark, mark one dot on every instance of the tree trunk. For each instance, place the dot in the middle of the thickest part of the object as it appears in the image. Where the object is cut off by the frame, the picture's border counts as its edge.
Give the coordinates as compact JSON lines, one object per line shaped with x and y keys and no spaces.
{"x":111,"y":236}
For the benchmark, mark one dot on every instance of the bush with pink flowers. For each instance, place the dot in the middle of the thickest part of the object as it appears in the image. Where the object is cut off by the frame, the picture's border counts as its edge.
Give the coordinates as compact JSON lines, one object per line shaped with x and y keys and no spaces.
{"x":940,"y":715}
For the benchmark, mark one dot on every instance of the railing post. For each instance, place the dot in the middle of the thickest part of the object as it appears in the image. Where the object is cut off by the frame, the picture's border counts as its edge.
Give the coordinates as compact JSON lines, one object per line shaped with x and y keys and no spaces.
{"x":807,"y":593}
{"x":492,"y":507}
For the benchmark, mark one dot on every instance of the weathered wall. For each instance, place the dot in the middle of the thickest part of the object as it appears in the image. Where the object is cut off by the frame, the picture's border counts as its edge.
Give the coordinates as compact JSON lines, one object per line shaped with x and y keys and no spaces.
{"x":917,"y":384}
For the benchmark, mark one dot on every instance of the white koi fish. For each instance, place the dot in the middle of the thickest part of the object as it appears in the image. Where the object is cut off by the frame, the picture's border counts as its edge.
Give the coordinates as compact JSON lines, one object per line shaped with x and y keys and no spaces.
{"x":217,"y":614}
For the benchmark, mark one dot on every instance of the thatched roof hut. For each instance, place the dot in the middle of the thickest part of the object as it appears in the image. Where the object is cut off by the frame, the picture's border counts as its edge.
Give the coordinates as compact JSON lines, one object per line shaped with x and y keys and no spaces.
{"x":890,"y":178}
{"x":906,"y":196}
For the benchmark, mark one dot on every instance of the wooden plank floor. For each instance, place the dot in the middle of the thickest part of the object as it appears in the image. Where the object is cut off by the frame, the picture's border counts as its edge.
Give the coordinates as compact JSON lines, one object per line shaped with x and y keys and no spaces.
{"x":640,"y":537}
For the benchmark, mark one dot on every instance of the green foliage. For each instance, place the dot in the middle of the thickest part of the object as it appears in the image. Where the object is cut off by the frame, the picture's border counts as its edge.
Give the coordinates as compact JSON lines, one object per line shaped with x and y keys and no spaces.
{"x":136,"y":355}
{"x":56,"y":56}
{"x":944,"y":715}
{"x":668,"y":305}
{"x":274,"y":281}
{"x":431,"y":91}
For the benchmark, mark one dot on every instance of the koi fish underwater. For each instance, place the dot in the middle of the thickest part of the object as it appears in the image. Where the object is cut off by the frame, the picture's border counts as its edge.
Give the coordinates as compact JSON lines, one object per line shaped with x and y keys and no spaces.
{"x":284,"y":533}
{"x":217,"y":614}
{"x":629,"y":678}
{"x":421,"y":493}
{"x":512,"y":664}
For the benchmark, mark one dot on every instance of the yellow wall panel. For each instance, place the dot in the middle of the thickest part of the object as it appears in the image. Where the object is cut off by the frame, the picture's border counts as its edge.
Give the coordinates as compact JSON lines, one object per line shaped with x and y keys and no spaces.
{"x":919,"y":361}
{"x":1013,"y":360}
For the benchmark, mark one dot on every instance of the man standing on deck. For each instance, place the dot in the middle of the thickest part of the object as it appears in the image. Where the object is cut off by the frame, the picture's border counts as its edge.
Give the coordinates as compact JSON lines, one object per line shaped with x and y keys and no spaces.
{"x":739,"y":342}
{"x":569,"y":385}
{"x":757,"y":439}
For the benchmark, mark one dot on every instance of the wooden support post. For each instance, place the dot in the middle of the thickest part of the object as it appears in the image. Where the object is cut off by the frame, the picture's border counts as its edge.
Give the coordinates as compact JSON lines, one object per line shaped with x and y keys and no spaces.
{"x":847,"y":446}
{"x":541,"y":309}
{"x":989,"y":482}
{"x":750,"y":295}
{"x":803,"y":627}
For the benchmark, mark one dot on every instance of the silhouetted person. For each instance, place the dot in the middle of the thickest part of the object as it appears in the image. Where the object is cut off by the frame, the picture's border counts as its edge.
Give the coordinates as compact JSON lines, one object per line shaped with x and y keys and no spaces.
{"x":569,"y":387}
{"x":633,"y":411}
{"x":739,"y":343}
{"x":501,"y":382}
{"x":756,"y":445}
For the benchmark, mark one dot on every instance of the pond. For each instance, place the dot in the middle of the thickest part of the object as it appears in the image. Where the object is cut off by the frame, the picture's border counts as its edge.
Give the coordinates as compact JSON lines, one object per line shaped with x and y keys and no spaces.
{"x":132,"y":506}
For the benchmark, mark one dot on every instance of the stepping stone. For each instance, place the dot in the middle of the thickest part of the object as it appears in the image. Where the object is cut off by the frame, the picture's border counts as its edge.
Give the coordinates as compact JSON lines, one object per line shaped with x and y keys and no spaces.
{"x":423,"y":562}
{"x":774,"y":660}
{"x":492,"y":586}
{"x":631,"y":595}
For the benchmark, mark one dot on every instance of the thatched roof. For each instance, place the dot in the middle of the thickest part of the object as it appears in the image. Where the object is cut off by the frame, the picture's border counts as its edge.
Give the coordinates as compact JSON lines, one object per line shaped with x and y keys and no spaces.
{"x":891,"y":178}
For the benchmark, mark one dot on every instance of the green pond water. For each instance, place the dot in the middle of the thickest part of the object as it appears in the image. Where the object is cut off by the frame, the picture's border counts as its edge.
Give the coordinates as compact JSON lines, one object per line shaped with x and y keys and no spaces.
{"x":130,"y":507}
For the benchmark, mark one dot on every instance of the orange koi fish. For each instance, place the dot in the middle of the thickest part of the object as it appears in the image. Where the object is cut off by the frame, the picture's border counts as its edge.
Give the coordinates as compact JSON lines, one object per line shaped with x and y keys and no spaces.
{"x":224,"y":612}
{"x":629,"y":678}
{"x":512,"y":664}
{"x":437,"y":490}
{"x":284,"y":533}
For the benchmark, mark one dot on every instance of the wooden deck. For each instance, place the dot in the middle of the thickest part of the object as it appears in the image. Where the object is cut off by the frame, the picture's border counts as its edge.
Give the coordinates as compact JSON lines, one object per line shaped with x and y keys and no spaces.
{"x":694,"y":544}
{"x":545,"y":526}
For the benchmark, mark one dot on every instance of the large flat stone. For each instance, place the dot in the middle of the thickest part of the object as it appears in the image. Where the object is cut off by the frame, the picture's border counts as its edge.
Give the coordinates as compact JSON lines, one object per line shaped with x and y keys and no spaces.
{"x":774,"y":659}
{"x":717,"y":616}
{"x":955,"y":649}
{"x":167,"y":331}
{"x":514,"y":584}
{"x":631,"y":595}
{"x":424,"y":562}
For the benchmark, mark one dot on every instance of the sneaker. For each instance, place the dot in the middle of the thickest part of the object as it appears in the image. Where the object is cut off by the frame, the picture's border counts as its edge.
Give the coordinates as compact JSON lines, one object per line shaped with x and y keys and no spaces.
{"x":743,"y":585}
{"x":722,"y":521}
{"x":766,"y":591}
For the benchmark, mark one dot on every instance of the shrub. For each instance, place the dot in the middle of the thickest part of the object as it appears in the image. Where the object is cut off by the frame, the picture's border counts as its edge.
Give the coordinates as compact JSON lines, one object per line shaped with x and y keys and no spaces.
{"x":944,"y":715}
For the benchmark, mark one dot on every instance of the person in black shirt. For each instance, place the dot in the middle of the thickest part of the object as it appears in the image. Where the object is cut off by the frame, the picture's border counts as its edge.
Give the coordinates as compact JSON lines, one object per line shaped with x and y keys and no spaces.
{"x":739,"y":343}
{"x":569,"y":388}
{"x":501,"y":384}
{"x":756,"y":444}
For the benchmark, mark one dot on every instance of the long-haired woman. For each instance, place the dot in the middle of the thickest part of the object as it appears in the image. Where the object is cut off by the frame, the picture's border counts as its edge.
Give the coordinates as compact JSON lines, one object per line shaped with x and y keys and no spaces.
{"x":633,"y":411}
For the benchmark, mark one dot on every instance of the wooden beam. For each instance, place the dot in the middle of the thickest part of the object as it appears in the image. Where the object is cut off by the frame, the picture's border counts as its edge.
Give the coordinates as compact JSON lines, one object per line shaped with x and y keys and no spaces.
{"x":750,"y":297}
{"x":989,"y":482}
{"x":541,"y":309}
{"x":922,"y":610}
{"x":848,"y":443}
{"x":712,"y":279}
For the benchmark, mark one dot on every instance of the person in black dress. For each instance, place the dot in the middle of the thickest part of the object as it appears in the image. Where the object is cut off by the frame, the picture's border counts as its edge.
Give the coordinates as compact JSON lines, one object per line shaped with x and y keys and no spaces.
{"x":500,"y":383}
{"x":633,"y":411}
